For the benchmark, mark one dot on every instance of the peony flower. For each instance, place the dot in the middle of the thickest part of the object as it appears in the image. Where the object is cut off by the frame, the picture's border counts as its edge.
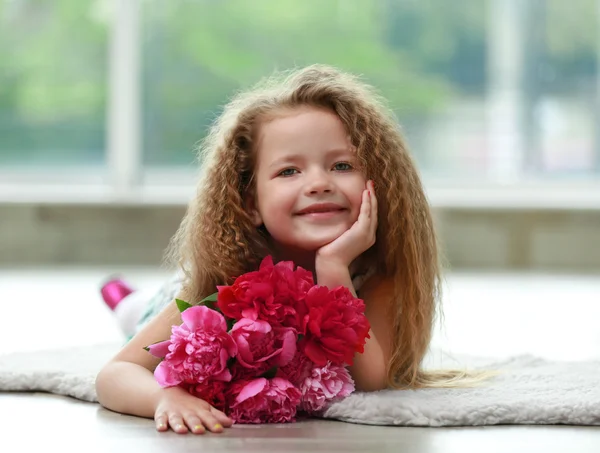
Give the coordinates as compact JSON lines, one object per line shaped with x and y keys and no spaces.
{"x":335,"y":326}
{"x":263,"y":401}
{"x":213,"y":392}
{"x":297,"y":370}
{"x":323,"y":386}
{"x":259,"y":344}
{"x":274,"y":293}
{"x":241,"y":373}
{"x":197,"y":351}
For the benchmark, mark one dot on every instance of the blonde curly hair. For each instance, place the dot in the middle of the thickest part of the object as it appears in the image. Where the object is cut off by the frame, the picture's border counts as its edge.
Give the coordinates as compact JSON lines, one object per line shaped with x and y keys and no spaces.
{"x":217,"y":240}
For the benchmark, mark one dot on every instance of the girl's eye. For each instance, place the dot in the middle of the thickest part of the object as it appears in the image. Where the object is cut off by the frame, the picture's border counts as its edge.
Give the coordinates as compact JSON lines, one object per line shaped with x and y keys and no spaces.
{"x":342,"y":166}
{"x":287,"y":172}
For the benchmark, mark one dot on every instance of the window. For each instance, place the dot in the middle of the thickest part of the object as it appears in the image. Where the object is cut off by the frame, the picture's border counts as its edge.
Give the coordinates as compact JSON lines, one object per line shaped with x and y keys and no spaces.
{"x":427,"y":58}
{"x":561,"y":89}
{"x":500,"y":93}
{"x":53,"y":67}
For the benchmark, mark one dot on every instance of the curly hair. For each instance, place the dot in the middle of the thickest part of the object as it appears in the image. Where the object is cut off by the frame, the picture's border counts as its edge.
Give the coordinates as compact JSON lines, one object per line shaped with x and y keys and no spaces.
{"x":217,"y":240}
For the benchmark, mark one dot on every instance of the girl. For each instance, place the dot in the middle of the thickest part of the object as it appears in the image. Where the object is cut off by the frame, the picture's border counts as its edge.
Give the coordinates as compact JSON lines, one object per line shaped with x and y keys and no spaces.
{"x":310,"y":168}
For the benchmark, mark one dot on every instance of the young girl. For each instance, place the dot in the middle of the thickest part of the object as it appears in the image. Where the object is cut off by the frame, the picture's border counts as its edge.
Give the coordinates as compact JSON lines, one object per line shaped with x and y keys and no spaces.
{"x":310,"y":168}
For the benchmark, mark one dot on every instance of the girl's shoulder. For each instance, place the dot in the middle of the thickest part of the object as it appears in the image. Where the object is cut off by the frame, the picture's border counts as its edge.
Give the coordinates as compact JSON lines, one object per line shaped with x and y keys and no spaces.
{"x":373,"y":286}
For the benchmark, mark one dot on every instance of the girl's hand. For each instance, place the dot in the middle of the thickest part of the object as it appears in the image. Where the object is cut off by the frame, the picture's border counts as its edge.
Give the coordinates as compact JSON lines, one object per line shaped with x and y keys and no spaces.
{"x":181,"y":412}
{"x":358,"y":238}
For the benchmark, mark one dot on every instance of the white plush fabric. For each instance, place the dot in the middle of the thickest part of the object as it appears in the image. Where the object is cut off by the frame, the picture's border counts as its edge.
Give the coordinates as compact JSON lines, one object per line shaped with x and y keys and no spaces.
{"x":530,"y":390}
{"x":70,"y":372}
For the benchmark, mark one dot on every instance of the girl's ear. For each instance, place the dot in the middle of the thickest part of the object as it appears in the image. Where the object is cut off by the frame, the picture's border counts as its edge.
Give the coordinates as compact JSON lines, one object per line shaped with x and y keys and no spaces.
{"x":256,"y":218}
{"x":252,"y":210}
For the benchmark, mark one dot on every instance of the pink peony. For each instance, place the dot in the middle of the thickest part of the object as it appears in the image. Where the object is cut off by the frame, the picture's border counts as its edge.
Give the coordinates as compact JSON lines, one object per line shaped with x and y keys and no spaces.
{"x":259,"y":344}
{"x":197,"y":351}
{"x":274,"y":293}
{"x":241,"y":373}
{"x":325,"y":385}
{"x":263,"y":401}
{"x":335,"y":325}
{"x":297,"y":370}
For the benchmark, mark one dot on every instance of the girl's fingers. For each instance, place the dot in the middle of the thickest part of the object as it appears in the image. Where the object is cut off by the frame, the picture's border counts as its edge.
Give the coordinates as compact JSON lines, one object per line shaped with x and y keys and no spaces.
{"x":373,"y":208}
{"x":221,"y":417}
{"x":161,"y":423}
{"x":365,"y":206}
{"x":209,"y":420}
{"x":194,"y":424}
{"x":176,"y":423}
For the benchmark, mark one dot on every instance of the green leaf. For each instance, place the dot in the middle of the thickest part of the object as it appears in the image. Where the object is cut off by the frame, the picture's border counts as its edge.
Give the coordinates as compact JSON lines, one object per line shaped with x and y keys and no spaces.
{"x":210,"y":305}
{"x":182,"y":305}
{"x":211,"y":298}
{"x":210,"y":302}
{"x":147,"y":348}
{"x":270,"y":373}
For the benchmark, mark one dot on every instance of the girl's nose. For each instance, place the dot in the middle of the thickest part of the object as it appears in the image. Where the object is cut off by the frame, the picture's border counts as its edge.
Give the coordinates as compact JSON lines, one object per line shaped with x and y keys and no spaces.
{"x":319,"y":181}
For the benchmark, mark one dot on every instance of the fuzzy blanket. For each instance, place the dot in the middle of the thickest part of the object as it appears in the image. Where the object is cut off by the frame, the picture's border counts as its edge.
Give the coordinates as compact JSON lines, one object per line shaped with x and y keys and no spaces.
{"x":529,"y":390}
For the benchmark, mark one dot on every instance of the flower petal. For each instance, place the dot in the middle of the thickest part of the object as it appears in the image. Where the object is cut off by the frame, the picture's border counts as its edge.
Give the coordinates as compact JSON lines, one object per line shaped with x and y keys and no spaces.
{"x":281,"y":383}
{"x":266,"y":262}
{"x":252,"y":325}
{"x":166,"y":376}
{"x":251,"y":389}
{"x":224,"y":375}
{"x":288,"y":348}
{"x":202,"y":317}
{"x":250,"y":313}
{"x":315,"y":353}
{"x":160,"y":349}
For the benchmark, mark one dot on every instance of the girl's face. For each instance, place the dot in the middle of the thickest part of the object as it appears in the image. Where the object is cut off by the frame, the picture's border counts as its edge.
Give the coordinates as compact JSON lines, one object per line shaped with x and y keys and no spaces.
{"x":308,"y":184}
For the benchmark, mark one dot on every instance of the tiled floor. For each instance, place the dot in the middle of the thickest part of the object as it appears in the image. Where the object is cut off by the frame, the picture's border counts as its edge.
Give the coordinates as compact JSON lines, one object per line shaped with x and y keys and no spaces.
{"x":551,"y":316}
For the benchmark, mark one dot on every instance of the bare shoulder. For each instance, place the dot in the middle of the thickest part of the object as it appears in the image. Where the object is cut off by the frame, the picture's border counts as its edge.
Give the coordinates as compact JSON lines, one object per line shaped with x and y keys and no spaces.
{"x":378,"y":291}
{"x":377,"y":294}
{"x":158,"y":329}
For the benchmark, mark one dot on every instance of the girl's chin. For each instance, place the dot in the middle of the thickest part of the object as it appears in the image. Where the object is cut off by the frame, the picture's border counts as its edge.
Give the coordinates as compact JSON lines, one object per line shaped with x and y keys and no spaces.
{"x":313,"y":244}
{"x":309,"y":242}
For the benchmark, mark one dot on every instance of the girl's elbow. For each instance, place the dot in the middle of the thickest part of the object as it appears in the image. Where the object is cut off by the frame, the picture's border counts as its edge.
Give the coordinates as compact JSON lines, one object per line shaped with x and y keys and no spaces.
{"x":101,"y":382}
{"x":372,"y":382}
{"x":375,"y":386}
{"x":106,"y":379}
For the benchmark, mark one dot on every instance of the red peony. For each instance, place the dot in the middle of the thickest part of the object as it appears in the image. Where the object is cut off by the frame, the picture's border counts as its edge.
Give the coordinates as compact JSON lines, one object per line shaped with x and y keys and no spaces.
{"x":274,"y":294}
{"x":335,"y":326}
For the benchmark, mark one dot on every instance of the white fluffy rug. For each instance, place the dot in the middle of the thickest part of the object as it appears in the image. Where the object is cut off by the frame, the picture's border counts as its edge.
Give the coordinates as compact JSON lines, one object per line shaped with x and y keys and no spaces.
{"x":529,"y":391}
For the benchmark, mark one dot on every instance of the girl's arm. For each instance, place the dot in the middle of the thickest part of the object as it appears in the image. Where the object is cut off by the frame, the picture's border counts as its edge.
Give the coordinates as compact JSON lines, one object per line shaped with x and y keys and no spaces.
{"x":126,"y":384}
{"x":369,"y":370}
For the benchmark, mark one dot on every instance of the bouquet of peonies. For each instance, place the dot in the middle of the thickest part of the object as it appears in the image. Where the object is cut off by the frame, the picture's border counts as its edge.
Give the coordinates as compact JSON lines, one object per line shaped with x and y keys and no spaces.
{"x":270,"y":345}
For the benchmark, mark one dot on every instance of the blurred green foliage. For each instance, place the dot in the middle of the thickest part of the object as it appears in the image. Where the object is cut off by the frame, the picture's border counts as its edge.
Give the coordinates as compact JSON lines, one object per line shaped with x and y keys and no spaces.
{"x":197,"y":53}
